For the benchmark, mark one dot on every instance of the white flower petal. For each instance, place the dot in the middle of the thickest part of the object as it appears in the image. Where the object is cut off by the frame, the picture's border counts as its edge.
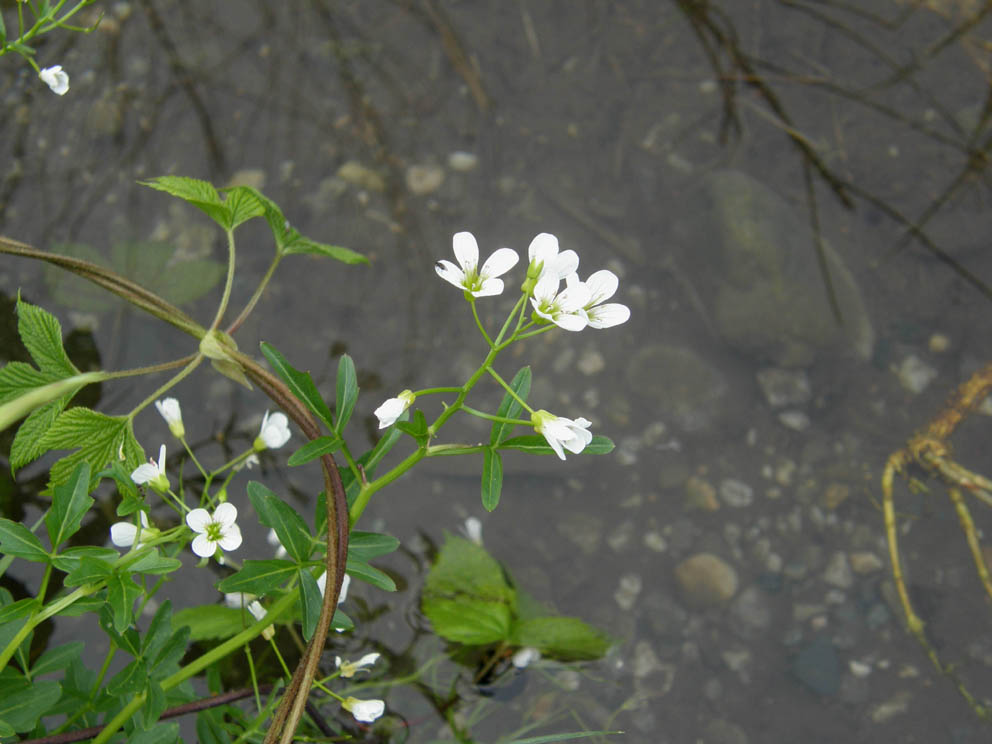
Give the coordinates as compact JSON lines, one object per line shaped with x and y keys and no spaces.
{"x":367,"y":660}
{"x":572,"y":298}
{"x":562,"y":265}
{"x":203,"y":546}
{"x":144,"y":473}
{"x":161,"y":459}
{"x":122,"y":534}
{"x":389,"y":411}
{"x":525,"y":657}
{"x":231,"y":537}
{"x":256,"y":609}
{"x":542,"y":248}
{"x":275,"y":430}
{"x":546,"y":289}
{"x":608,"y":315}
{"x":322,"y":583}
{"x":198,"y":519}
{"x":365,"y":711}
{"x":225,"y":514}
{"x":56,"y":79}
{"x":450,"y":273}
{"x":489,"y":288}
{"x":570,"y":321}
{"x":345,"y":583}
{"x":602,"y":286}
{"x":466,"y":251}
{"x":499,"y":263}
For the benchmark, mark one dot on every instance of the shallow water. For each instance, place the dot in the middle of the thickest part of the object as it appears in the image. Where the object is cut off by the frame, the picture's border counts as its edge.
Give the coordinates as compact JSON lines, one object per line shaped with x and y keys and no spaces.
{"x":605,"y":124}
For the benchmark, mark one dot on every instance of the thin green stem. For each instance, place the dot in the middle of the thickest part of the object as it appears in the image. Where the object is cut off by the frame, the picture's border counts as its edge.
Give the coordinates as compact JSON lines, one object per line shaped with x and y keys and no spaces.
{"x":478,"y":322}
{"x":437,"y":390}
{"x":243,"y":315}
{"x":501,"y":419}
{"x":168,"y":385}
{"x":513,"y":393}
{"x":509,"y":319}
{"x":229,"y":282}
{"x":442,"y":450}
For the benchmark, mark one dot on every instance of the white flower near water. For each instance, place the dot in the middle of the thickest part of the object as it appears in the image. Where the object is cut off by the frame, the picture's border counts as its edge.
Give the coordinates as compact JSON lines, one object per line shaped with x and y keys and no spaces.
{"x":123,"y":534}
{"x":55,"y":78}
{"x":274,"y":432}
{"x":345,"y":583}
{"x":545,"y":260}
{"x":562,"y":433}
{"x":349,"y":668}
{"x":601,"y":286}
{"x":365,"y":711}
{"x":152,"y":473}
{"x":173,"y":415}
{"x":393,"y":408}
{"x":565,"y":308}
{"x":467,"y":275}
{"x":214,"y":530}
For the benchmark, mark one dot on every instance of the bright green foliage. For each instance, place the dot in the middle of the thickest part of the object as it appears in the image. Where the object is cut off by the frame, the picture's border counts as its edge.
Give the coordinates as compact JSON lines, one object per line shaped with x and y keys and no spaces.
{"x":70,"y":502}
{"x":346,"y":392}
{"x":289,"y":526}
{"x":492,"y":478}
{"x":311,"y":601}
{"x":100,"y":439}
{"x":315,"y":448}
{"x":258,"y":577}
{"x":468,"y":599}
{"x":300,"y":383}
{"x":535,"y":444}
{"x":510,"y":407}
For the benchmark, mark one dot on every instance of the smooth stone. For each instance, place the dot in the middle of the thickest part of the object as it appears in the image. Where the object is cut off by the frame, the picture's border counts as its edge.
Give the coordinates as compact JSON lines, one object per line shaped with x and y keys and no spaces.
{"x":817,"y":666}
{"x":424,"y":179}
{"x":706,"y":579}
{"x":770,"y":299}
{"x":784,"y":387}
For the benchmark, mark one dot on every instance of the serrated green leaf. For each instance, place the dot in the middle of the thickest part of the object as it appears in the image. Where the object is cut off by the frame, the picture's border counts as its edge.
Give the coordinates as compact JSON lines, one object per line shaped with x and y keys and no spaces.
{"x":535,"y":444}
{"x":364,"y":546}
{"x":313,"y":449}
{"x":289,"y":526}
{"x":41,"y":334}
{"x":346,"y":391}
{"x":27,"y":446}
{"x":58,"y":658}
{"x":121,"y":595}
{"x":300,"y":383}
{"x":300,"y":244}
{"x":243,"y":203}
{"x":70,"y":502}
{"x":311,"y":601}
{"x":16,"y":539}
{"x":22,"y":709}
{"x":564,"y":638}
{"x":492,"y":478}
{"x":209,"y":622}
{"x":101,"y":439}
{"x":200,"y":194}
{"x":510,"y":407}
{"x":258,"y":577}
{"x":370,"y":575}
{"x":18,"y":378}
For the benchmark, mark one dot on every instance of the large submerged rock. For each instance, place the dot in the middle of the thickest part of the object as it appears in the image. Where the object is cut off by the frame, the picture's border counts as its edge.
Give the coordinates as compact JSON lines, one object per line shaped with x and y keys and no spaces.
{"x":770,"y":298}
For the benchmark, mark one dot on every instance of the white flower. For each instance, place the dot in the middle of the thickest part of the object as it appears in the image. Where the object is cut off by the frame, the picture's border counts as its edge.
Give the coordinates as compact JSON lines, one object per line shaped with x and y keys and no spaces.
{"x":122,"y":534}
{"x":250,"y":462}
{"x":349,"y":668}
{"x":562,"y":432}
{"x":56,"y":79}
{"x":545,"y":260}
{"x":273,"y":539}
{"x":478,"y":283}
{"x":601,"y":286}
{"x":345,"y":583}
{"x":393,"y":408}
{"x":525,"y":657}
{"x":236,"y":600}
{"x":152,"y":473}
{"x":217,"y":529}
{"x":365,"y":711}
{"x":274,"y":432}
{"x":473,"y":530}
{"x":565,"y":308}
{"x":173,"y":415}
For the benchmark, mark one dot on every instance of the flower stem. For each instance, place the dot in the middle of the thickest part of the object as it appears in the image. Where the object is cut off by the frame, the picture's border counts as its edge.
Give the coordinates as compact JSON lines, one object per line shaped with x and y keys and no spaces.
{"x":478,"y":322}
{"x":501,"y":419}
{"x":256,"y":296}
{"x":228,"y":284}
{"x":513,"y":394}
{"x":193,"y":364}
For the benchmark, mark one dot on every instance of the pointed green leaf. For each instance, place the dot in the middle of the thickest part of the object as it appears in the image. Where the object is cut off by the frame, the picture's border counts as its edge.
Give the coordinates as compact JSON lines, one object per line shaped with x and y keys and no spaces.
{"x":510,"y":407}
{"x":492,"y":478}
{"x":346,"y":392}
{"x":130,"y":680}
{"x":151,"y":711}
{"x":41,"y":333}
{"x":564,"y":638}
{"x":299,"y":244}
{"x":58,"y":658}
{"x":466,"y":620}
{"x":243,"y":203}
{"x":210,"y":622}
{"x":300,"y":383}
{"x":101,"y":440}
{"x":20,"y":608}
{"x":535,"y":444}
{"x":154,"y":564}
{"x":364,"y":546}
{"x":70,"y":559}
{"x":289,"y":526}
{"x":70,"y":501}
{"x":258,"y":577}
{"x":22,"y":708}
{"x":198,"y":193}
{"x":16,"y":539}
{"x":314,"y":449}
{"x":370,"y":575}
{"x":311,"y":600}
{"x":121,"y":594}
